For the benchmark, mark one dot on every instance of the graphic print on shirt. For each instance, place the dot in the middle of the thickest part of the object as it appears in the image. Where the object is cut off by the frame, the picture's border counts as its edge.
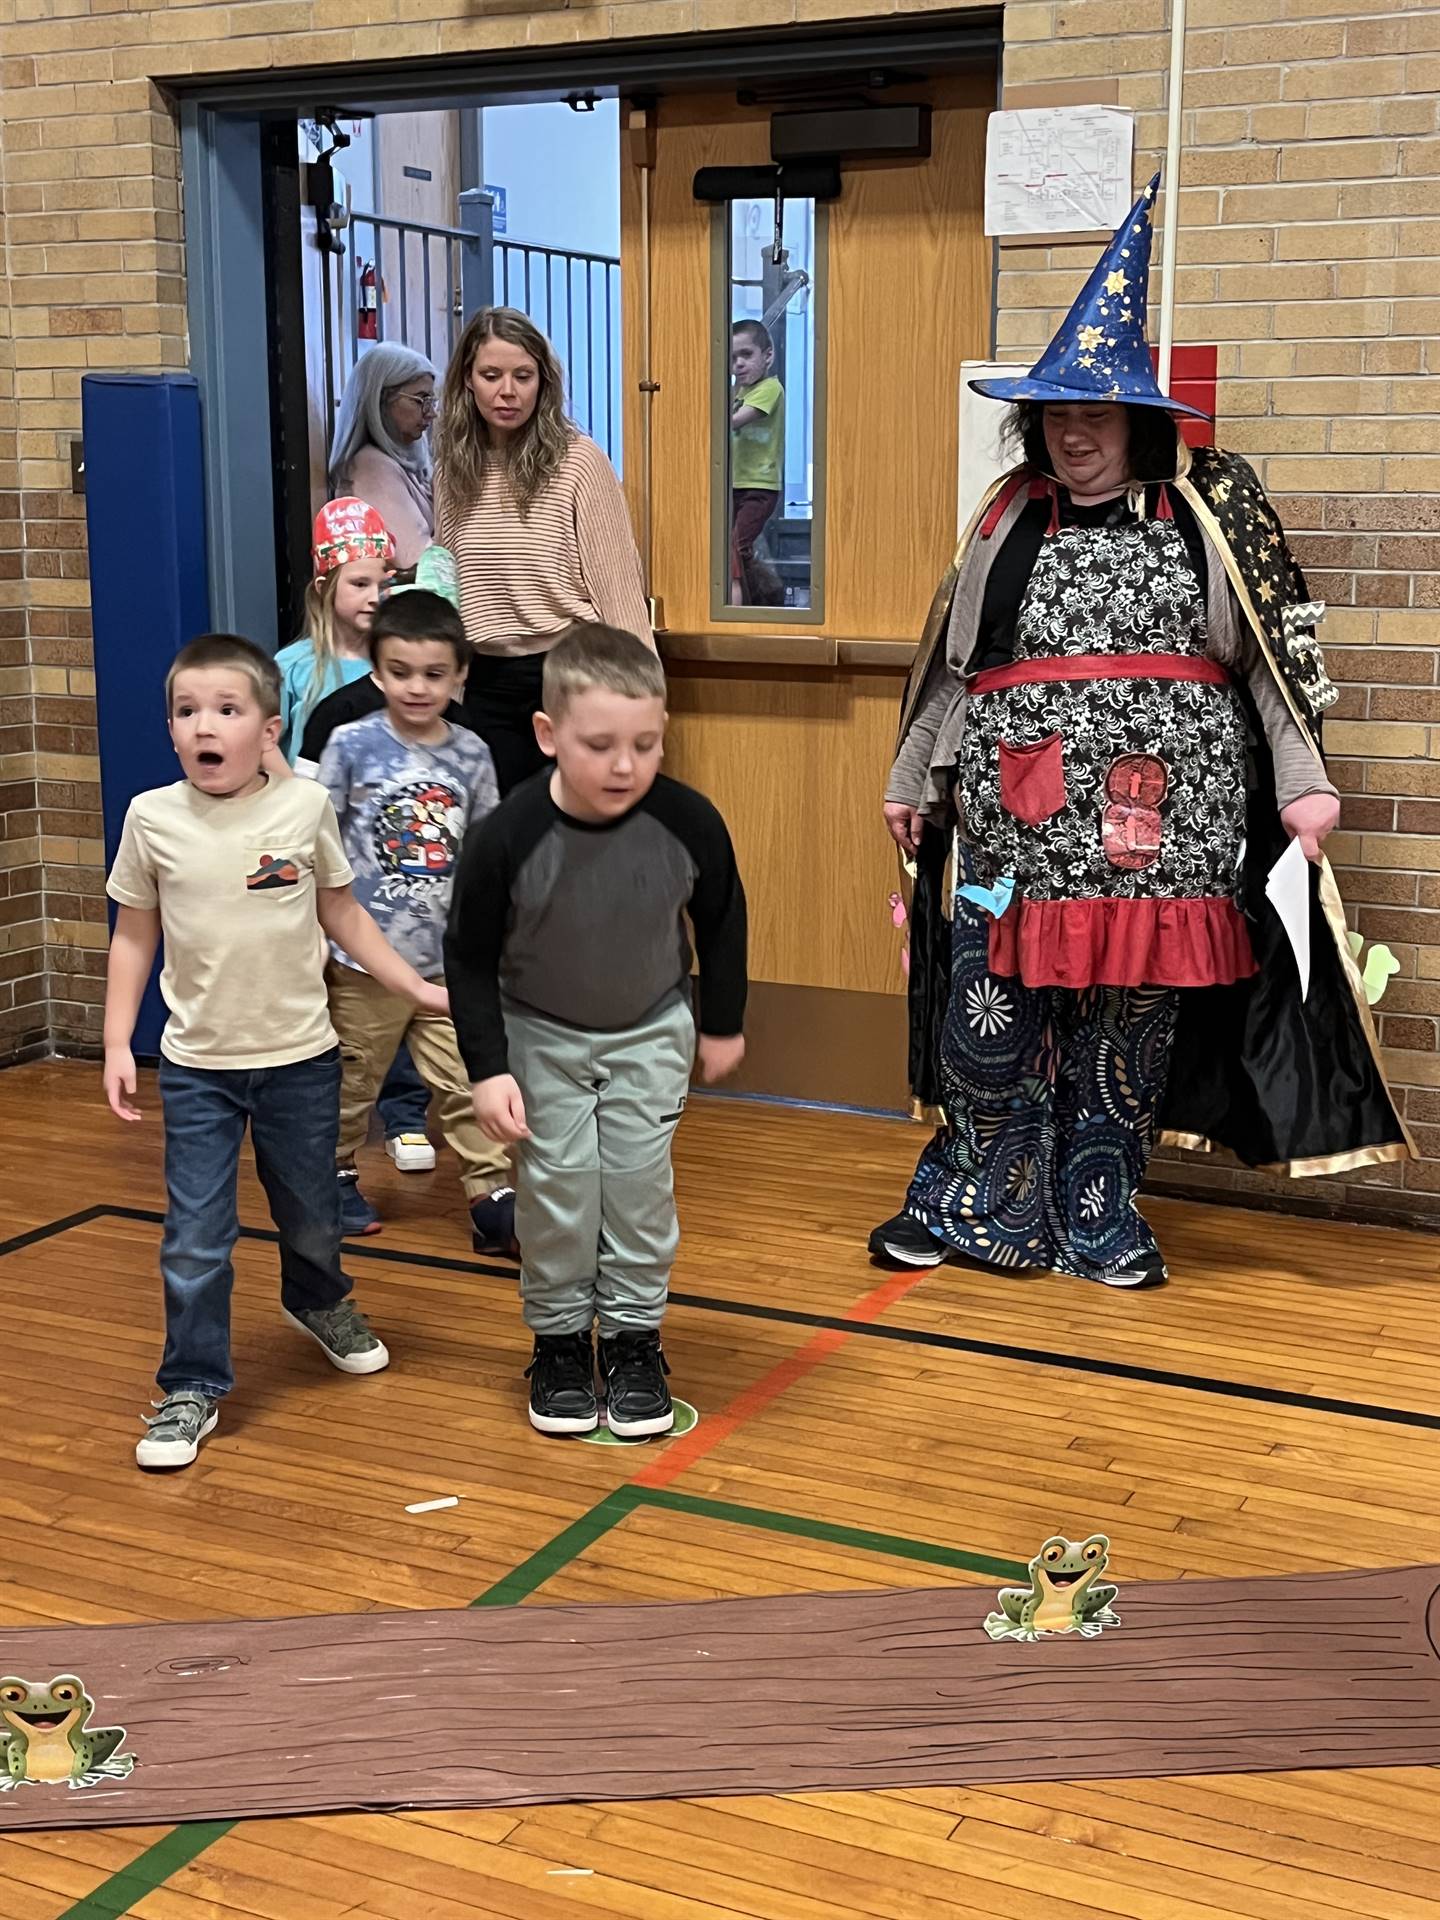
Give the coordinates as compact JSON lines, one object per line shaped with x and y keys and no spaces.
{"x":417,"y":834}
{"x":274,"y":870}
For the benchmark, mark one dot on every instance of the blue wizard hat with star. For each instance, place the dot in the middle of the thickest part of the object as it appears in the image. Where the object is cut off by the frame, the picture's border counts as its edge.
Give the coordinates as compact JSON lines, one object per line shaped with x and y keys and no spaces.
{"x":1100,"y":352}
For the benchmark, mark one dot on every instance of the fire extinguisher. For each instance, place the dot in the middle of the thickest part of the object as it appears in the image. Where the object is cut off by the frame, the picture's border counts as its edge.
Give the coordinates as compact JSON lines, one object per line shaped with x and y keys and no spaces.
{"x":367,"y":318}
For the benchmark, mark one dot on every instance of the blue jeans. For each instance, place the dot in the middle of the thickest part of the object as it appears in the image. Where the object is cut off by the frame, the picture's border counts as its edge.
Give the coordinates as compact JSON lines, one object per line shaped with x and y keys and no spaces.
{"x":404,"y":1100}
{"x":294,"y":1118}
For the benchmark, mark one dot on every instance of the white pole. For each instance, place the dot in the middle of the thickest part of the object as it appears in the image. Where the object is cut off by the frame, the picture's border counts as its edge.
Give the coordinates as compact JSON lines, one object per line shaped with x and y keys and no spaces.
{"x":1176,"y":103}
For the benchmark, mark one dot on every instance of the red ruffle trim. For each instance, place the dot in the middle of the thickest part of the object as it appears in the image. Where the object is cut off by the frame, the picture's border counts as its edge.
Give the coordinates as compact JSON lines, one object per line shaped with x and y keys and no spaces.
{"x":1122,"y":943}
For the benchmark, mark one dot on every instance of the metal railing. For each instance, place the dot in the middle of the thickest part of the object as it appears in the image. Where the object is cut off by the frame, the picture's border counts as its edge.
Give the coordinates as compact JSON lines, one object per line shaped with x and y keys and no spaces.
{"x":574,"y":298}
{"x":415,"y":282}
{"x":402,"y":280}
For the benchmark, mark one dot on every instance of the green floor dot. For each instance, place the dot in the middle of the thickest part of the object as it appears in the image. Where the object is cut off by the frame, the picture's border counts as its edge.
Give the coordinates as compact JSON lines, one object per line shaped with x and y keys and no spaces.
{"x":685,"y":1418}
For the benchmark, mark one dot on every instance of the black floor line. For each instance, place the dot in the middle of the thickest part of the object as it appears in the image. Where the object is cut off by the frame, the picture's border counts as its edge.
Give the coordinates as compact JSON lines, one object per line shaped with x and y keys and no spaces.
{"x":52,"y":1227}
{"x":862,"y":1329}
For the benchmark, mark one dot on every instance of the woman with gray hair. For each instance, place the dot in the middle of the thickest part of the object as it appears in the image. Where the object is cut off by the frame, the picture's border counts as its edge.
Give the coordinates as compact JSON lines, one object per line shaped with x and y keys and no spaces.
{"x":380,"y":452}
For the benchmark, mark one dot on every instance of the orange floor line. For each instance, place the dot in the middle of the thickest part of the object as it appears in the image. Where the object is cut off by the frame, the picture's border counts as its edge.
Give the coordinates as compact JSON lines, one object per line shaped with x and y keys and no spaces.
{"x":683,"y":1453}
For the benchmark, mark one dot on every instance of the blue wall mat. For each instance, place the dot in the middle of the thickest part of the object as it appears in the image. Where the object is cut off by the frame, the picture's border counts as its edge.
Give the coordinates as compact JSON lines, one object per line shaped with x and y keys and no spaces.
{"x":149,"y":585}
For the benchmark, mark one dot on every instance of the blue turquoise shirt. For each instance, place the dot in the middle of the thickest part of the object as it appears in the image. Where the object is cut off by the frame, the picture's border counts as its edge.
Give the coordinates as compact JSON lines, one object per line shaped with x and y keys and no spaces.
{"x":297,"y":674}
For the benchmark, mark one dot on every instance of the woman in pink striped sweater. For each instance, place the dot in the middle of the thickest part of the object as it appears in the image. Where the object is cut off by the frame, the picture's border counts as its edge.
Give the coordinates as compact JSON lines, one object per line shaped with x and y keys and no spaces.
{"x":533,"y":513}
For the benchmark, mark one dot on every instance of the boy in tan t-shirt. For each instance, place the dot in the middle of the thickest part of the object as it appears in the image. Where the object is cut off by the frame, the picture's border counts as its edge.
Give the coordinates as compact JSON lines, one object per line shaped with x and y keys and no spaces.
{"x":245,"y":876}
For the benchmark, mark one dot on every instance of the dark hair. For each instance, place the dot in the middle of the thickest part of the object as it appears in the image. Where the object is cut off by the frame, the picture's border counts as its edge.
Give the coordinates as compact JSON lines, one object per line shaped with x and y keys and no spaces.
{"x":755,"y":330}
{"x":418,"y":614}
{"x":229,"y":650}
{"x":1153,"y":439}
{"x":590,"y":654}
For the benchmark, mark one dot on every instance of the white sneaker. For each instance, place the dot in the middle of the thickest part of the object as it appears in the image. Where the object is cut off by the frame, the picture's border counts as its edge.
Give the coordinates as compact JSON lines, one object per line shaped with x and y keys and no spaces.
{"x":175,"y":1430}
{"x":411,"y":1152}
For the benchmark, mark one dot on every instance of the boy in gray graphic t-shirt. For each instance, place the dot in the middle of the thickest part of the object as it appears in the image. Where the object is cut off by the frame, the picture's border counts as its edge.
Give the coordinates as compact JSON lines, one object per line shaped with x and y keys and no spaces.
{"x":568,"y":964}
{"x":406,"y":785}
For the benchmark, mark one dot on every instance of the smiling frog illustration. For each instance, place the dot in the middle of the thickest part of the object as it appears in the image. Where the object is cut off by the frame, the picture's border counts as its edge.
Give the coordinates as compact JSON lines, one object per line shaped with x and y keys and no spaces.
{"x":44,"y":1737}
{"x":1062,"y":1596}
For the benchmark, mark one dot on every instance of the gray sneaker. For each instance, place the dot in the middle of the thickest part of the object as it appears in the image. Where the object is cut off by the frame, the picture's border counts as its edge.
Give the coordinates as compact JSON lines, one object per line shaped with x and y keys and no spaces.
{"x":343,"y":1333}
{"x":176,"y":1429}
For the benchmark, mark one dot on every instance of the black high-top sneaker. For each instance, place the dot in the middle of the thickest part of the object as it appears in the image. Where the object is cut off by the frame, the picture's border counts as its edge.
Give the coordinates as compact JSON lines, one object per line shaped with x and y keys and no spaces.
{"x":637,"y":1400}
{"x":562,"y":1384}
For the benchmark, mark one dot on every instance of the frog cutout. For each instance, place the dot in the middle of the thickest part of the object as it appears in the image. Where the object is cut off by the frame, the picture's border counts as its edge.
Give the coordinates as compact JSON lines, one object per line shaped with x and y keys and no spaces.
{"x":1130,"y":827}
{"x":1380,"y":963}
{"x":45,"y":1737}
{"x":1064,"y":1595}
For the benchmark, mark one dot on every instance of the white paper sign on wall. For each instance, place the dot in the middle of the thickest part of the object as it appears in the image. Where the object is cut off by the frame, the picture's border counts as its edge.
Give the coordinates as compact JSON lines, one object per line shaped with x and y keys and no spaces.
{"x":1058,"y":170}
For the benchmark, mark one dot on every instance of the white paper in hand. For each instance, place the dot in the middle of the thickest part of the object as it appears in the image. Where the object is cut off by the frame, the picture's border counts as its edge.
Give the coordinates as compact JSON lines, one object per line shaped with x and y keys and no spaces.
{"x":1288,"y":891}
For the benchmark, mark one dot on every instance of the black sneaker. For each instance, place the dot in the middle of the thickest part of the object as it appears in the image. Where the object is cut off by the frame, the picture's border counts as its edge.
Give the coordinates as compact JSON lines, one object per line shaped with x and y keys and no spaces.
{"x":562,"y":1384}
{"x":1148,"y":1270}
{"x":492,"y":1223}
{"x":903,"y":1242}
{"x":637,"y":1400}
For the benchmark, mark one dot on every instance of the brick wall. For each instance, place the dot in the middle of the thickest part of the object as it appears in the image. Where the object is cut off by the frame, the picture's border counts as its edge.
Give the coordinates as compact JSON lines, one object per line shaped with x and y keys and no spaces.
{"x":1310,"y":253}
{"x":23,"y":1013}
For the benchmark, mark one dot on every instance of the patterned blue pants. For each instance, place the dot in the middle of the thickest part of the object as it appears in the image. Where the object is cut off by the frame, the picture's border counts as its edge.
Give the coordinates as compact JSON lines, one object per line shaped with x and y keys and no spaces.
{"x":1050,"y":1096}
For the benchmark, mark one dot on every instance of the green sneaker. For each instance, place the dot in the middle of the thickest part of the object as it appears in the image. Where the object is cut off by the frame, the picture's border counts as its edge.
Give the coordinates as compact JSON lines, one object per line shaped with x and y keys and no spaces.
{"x":344,"y":1334}
{"x":176,"y":1429}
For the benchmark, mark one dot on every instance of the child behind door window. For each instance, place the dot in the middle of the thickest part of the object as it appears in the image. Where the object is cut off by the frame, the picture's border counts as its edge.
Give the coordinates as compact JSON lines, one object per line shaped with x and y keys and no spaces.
{"x":757,"y":462}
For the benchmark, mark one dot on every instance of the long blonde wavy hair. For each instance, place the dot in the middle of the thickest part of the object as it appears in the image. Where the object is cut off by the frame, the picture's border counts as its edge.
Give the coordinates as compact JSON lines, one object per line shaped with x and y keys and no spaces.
{"x":463,"y":443}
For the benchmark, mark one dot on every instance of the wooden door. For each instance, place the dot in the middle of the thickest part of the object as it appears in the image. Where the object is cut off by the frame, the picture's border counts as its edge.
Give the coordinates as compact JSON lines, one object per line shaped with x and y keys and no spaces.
{"x":790,"y":729}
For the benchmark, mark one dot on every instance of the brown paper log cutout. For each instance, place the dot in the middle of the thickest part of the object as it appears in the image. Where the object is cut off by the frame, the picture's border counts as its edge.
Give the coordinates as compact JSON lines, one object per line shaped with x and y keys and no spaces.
{"x":820,"y":1691}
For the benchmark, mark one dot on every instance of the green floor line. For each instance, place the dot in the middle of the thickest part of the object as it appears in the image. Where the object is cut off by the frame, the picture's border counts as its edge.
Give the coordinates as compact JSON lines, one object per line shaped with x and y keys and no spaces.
{"x":182,"y":1845}
{"x":559,"y":1552}
{"x":894,"y":1544}
{"x":152,"y":1869}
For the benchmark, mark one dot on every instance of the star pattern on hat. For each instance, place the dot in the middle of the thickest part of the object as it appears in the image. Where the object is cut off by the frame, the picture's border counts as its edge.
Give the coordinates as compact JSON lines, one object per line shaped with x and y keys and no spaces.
{"x":1099,"y":351}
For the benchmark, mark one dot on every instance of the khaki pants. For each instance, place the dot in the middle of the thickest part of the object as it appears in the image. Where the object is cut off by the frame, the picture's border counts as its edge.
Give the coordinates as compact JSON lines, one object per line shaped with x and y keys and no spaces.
{"x":371,"y":1023}
{"x":595,"y":1215}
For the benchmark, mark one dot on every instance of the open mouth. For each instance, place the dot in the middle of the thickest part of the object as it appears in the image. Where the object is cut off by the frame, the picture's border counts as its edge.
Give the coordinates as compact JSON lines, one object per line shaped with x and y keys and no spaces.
{"x":1063,"y":1579}
{"x":42,"y":1722}
{"x":208,"y":759}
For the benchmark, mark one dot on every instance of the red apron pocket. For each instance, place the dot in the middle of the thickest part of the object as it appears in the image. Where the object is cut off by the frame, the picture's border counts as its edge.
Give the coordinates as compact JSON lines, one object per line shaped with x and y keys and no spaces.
{"x":1032,"y":779}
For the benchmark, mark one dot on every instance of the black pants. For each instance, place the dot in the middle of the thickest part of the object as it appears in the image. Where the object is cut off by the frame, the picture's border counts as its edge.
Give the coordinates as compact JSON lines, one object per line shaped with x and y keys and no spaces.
{"x":502,"y":697}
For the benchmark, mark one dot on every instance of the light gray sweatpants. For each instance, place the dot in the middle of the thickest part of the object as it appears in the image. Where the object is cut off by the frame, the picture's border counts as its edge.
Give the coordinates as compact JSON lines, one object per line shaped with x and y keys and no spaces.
{"x":595,"y":1210}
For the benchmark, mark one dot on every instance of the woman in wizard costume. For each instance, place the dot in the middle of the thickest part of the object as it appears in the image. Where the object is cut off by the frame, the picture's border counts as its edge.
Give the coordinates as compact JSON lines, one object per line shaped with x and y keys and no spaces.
{"x":1117,"y":704}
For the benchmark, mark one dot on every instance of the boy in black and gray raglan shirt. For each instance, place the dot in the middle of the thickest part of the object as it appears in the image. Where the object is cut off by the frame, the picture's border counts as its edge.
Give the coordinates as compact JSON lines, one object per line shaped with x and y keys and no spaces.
{"x":568,"y":966}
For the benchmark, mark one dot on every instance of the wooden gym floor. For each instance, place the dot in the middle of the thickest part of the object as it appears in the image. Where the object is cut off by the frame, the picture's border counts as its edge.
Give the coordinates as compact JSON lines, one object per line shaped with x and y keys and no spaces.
{"x":1276,"y":1408}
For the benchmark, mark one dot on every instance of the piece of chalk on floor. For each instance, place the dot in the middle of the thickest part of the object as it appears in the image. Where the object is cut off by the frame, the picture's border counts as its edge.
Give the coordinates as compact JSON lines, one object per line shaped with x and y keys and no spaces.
{"x":434,"y":1506}
{"x":573,"y":1873}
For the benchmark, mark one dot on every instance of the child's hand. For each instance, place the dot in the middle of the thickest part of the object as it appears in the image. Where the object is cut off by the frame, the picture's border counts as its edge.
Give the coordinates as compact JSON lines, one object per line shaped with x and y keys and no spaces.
{"x":434,"y":999}
{"x":500,"y":1109}
{"x":120,"y":1083}
{"x":718,"y":1058}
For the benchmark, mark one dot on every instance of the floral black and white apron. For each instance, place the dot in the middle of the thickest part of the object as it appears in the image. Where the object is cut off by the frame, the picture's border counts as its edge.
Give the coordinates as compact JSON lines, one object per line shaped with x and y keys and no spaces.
{"x":1103,"y":770}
